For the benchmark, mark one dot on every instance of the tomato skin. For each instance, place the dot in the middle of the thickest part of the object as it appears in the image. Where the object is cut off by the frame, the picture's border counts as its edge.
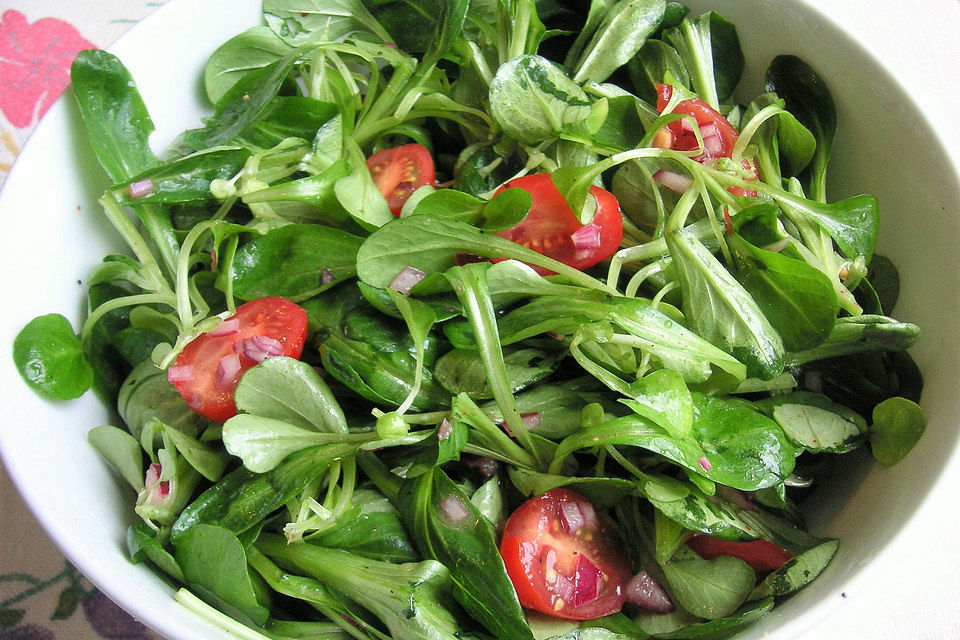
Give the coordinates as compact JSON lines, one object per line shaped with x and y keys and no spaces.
{"x":704,"y":114}
{"x":763,"y":556}
{"x":272,"y":317}
{"x":577,"y":575}
{"x":400,"y":171}
{"x":548,"y":227}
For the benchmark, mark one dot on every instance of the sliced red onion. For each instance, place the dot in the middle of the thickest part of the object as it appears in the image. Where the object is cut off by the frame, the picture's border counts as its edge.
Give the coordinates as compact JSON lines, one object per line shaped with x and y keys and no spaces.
{"x":157,"y":491}
{"x":713,"y":145}
{"x":555,"y":336}
{"x":674,"y":181}
{"x":778,"y":246}
{"x":586,"y":237}
{"x":646,"y":593}
{"x":140,"y":189}
{"x":586,"y":582}
{"x":407,"y":280}
{"x":444,"y":430}
{"x":238,"y":346}
{"x":571,"y":517}
{"x":705,"y":463}
{"x":226,"y":328}
{"x":228,"y":368}
{"x":326,"y":277}
{"x":181,"y":373}
{"x":486,"y":467}
{"x":454,"y":509}
{"x":709,"y":130}
{"x":686,"y":124}
{"x":259,"y":348}
{"x":152,"y":477}
{"x":531,"y":420}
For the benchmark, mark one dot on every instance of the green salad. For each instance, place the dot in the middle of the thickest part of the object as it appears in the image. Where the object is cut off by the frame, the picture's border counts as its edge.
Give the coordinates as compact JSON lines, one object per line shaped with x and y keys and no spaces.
{"x":482,"y":319}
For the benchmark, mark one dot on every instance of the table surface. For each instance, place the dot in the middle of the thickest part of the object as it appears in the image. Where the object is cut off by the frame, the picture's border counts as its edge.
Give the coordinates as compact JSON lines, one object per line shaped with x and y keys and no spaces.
{"x":912,"y":594}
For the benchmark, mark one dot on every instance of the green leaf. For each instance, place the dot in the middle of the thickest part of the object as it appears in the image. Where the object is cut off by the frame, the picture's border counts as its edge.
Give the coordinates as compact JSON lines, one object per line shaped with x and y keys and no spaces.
{"x":263,"y":443}
{"x":689,"y":507}
{"x":808,"y":98}
{"x":142,"y":543}
{"x":897,"y":426}
{"x":601,"y":492}
{"x":11,"y":617}
{"x":117,"y":121}
{"x":374,"y":532}
{"x":797,"y":573}
{"x":420,"y":318}
{"x":724,"y":627}
{"x":463,"y":371}
{"x":710,"y":589}
{"x":299,"y":21}
{"x":859,"y":334}
{"x":122,"y":451}
{"x":147,"y":394}
{"x":292,"y":391}
{"x":254,"y":48}
{"x":215,"y":566}
{"x":623,"y":30}
{"x":431,"y":506}
{"x":295,"y":261}
{"x":798,"y":299}
{"x":663,"y":397}
{"x":187,"y":179}
{"x":852,"y":223}
{"x":48,"y":356}
{"x":720,"y":310}
{"x":205,"y":459}
{"x":242,"y":499}
{"x":817,"y":430}
{"x":507,"y":209}
{"x":431,"y":245}
{"x":360,"y":196}
{"x":710,"y":49}
{"x":654,"y":63}
{"x":534,"y":100}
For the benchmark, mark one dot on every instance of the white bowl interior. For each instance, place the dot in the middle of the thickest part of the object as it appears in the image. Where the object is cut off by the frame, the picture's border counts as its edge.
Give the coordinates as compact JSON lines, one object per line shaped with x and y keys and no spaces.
{"x":53,"y":234}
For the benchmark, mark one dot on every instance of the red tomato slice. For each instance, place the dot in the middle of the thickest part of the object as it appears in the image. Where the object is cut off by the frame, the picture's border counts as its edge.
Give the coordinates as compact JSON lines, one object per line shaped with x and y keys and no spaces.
{"x":762,"y":555}
{"x":563,"y":559}
{"x":552,"y":229}
{"x":400,"y":171}
{"x":207,"y":370}
{"x":706,"y":117}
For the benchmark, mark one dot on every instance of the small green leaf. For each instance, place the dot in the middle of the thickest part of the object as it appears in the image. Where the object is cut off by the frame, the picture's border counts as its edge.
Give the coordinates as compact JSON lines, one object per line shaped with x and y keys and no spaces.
{"x":710,"y":589}
{"x":507,"y":209}
{"x":897,"y":426}
{"x":121,"y":450}
{"x":796,"y":573}
{"x":49,"y":358}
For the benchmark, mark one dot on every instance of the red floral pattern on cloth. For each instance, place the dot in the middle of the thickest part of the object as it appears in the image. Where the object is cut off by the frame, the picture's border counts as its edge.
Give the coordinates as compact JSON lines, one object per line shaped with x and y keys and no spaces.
{"x":34,"y":64}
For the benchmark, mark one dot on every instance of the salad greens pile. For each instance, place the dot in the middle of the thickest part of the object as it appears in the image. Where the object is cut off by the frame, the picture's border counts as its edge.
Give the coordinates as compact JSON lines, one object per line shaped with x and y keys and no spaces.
{"x":700,"y":381}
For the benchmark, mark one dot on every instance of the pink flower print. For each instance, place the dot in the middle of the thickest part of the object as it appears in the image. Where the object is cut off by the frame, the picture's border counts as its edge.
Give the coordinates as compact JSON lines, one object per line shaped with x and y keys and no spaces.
{"x":34,"y":64}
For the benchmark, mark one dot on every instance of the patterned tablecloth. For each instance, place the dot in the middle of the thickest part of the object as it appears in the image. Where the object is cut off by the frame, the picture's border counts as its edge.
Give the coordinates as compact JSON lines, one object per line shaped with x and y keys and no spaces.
{"x":42,"y":597}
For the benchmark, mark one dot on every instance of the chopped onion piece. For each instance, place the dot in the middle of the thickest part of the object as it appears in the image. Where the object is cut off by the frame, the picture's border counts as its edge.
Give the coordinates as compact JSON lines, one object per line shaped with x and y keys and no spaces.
{"x":586,"y":582}
{"x":228,"y":368}
{"x":226,"y":328}
{"x":646,"y":593}
{"x":326,"y":277}
{"x":259,"y":348}
{"x":407,"y":280}
{"x":705,"y":463}
{"x":674,"y":181}
{"x":181,"y":373}
{"x":444,"y":430}
{"x":140,"y":189}
{"x":530,"y":420}
{"x":454,"y":509}
{"x":713,"y":145}
{"x":571,"y":517}
{"x":586,"y":237}
{"x":709,"y":130}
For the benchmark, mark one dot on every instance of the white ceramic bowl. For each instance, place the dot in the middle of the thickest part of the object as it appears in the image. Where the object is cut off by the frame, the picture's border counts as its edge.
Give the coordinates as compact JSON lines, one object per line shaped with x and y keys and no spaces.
{"x":52,"y":234}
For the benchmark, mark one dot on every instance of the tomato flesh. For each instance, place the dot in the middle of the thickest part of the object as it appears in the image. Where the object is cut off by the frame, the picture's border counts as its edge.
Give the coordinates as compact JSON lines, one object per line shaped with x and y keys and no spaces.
{"x":763,"y":556}
{"x":400,"y":171}
{"x":563,"y":559}
{"x":194,"y":374}
{"x":552,"y":229}
{"x":683,"y":139}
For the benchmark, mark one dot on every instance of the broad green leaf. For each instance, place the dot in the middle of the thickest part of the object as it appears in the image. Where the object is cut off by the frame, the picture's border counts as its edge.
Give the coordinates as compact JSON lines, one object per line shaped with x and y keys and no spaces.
{"x":623,"y":30}
{"x":534,"y":100}
{"x":142,"y":543}
{"x":694,"y":510}
{"x":48,"y":356}
{"x":299,"y":21}
{"x":254,"y":48}
{"x":710,"y":49}
{"x":263,"y":443}
{"x":602,"y":492}
{"x":797,"y":573}
{"x":710,"y":589}
{"x":147,"y":394}
{"x":663,"y":397}
{"x":215,"y":566}
{"x":186,"y":179}
{"x":292,"y":391}
{"x":295,"y":262}
{"x":815,"y":429}
{"x":463,"y":371}
{"x":720,"y":310}
{"x":724,"y":627}
{"x":897,"y":426}
{"x":860,"y":334}
{"x":121,"y":450}
{"x":852,"y":223}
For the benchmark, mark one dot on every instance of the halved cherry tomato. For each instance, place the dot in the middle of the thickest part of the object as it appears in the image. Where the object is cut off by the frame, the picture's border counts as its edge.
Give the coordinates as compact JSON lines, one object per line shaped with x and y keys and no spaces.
{"x":281,"y":326}
{"x":563,"y":559}
{"x":719,"y":145}
{"x":552,"y":229}
{"x":762,"y":555}
{"x":400,"y":171}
